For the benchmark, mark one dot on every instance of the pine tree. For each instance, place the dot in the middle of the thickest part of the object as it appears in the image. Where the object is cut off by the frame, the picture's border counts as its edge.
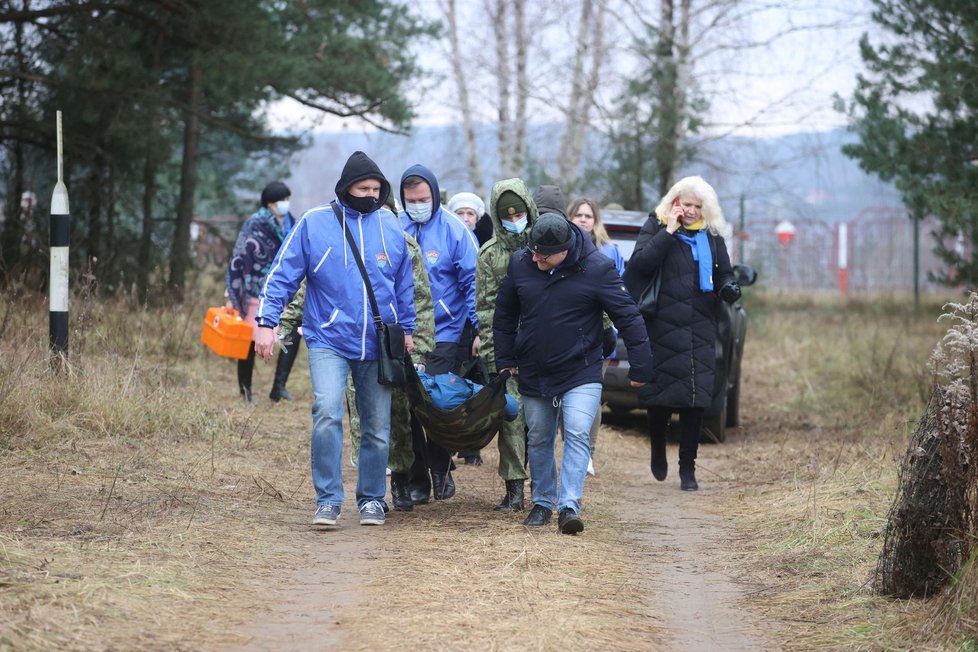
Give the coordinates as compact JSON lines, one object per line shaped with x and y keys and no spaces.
{"x":915,"y":115}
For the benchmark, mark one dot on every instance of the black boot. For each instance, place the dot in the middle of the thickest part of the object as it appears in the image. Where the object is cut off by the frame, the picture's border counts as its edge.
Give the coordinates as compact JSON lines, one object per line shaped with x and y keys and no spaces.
{"x":691,"y":424}
{"x":282,"y":369}
{"x":399,"y":492}
{"x":245,"y":369}
{"x":660,"y":465}
{"x":658,"y":420}
{"x":442,"y":484}
{"x":513,"y":500}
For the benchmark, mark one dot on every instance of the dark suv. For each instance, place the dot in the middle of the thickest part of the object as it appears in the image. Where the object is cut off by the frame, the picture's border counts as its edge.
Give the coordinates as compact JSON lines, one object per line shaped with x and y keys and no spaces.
{"x":623,"y":227}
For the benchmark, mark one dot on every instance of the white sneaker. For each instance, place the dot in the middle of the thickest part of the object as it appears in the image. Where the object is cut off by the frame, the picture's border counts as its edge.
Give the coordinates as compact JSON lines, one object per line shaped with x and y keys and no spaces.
{"x":590,"y":466}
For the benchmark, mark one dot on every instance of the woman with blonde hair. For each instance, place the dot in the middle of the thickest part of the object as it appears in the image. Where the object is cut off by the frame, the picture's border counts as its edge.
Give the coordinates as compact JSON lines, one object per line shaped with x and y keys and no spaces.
{"x":682,"y":242}
{"x":584,"y":212}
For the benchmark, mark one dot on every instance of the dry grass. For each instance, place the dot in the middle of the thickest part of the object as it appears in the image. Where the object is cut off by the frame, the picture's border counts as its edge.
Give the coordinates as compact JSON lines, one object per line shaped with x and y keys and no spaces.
{"x":833,"y":390}
{"x":143,"y":507}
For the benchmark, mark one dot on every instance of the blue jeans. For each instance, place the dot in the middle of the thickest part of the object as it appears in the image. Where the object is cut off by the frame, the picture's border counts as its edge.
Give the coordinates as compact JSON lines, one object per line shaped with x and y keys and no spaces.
{"x":578,"y":407}
{"x":328,"y":371}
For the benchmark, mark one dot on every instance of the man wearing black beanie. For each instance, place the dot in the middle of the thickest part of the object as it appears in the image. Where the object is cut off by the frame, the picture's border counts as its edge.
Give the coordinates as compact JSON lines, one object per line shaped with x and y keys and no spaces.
{"x":552,"y":300}
{"x":339,"y":327}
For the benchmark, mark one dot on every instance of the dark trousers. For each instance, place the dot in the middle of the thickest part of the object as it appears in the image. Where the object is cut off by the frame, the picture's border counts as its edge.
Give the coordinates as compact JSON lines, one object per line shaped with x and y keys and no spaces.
{"x":246,"y":368}
{"x":690,"y":427}
{"x":427,"y":454}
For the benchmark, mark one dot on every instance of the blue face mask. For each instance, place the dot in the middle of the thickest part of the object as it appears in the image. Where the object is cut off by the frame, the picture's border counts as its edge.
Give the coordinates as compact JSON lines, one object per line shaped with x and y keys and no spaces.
{"x":419,"y":213}
{"x":517,"y":227}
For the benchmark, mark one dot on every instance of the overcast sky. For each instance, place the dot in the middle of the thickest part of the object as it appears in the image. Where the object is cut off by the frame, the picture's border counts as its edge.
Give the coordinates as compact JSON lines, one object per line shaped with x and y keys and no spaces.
{"x":773,"y":70}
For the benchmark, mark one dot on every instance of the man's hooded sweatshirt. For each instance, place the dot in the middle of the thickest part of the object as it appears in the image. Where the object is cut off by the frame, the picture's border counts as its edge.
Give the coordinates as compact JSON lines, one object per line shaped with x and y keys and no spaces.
{"x":337,"y":312}
{"x":450,"y":249}
{"x":494,"y":259}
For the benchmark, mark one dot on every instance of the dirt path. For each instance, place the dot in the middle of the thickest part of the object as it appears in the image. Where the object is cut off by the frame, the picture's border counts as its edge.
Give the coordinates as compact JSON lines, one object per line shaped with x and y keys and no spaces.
{"x":683,"y":564}
{"x":690,"y":586}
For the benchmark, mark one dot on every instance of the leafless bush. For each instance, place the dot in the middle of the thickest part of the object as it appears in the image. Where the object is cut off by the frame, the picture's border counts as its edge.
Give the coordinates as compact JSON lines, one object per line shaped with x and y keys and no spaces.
{"x":931,"y":528}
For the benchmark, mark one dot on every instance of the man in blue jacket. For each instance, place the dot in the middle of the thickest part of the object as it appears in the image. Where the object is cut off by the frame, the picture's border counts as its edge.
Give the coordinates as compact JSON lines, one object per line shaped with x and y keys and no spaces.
{"x":548,"y":332}
{"x":339,"y":328}
{"x":450,"y":250}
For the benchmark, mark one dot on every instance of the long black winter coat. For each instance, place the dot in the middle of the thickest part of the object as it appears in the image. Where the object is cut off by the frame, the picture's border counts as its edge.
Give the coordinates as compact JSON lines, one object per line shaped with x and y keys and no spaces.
{"x":550,"y":324}
{"x":683,"y":333}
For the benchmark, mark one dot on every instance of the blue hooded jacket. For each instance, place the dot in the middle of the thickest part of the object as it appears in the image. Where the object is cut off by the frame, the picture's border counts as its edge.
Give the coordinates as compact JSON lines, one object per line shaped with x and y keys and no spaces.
{"x":337,"y":312}
{"x":450,"y":250}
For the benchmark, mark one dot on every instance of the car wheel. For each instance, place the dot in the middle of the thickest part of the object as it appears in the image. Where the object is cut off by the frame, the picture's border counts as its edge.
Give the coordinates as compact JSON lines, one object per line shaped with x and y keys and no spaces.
{"x":733,"y":405}
{"x":715,"y":425}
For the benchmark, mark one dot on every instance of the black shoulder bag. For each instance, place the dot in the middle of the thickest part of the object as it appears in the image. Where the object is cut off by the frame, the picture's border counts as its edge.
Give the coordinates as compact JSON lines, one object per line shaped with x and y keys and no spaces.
{"x":644,"y":290}
{"x":390,"y":337}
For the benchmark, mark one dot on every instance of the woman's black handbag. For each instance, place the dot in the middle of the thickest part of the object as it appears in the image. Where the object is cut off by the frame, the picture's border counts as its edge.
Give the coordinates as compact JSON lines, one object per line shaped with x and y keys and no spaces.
{"x":645,"y":291}
{"x":390,"y":337}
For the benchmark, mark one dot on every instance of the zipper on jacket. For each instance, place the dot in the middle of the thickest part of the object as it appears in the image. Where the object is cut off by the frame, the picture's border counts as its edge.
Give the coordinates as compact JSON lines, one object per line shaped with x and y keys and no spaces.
{"x":366,"y":300}
{"x":442,"y":302}
{"x":332,"y":318}
{"x":322,"y":260}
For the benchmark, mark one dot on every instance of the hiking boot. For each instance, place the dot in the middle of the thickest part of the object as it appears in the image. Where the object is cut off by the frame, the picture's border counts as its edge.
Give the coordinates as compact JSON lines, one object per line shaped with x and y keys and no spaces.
{"x":660,"y":466}
{"x":569,"y":522}
{"x":687,"y":480}
{"x":538,"y":517}
{"x":326,"y":515}
{"x":513,"y":499}
{"x":372,"y":513}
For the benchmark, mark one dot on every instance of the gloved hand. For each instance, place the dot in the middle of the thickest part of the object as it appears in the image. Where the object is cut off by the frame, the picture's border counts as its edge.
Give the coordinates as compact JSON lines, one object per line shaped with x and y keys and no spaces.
{"x":609,"y":342}
{"x":730,"y":291}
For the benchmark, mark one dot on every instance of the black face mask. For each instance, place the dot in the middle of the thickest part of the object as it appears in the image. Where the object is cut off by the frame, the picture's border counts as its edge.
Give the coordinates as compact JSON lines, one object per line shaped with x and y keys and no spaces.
{"x":362,"y":205}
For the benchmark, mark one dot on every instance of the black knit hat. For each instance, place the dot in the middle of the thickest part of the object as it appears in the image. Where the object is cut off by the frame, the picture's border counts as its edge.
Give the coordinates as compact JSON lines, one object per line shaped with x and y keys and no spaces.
{"x":273,"y":192}
{"x":551,"y":234}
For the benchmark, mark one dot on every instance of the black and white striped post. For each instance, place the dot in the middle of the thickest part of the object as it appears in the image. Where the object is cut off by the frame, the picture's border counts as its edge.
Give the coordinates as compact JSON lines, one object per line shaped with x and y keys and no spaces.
{"x":58,"y":282}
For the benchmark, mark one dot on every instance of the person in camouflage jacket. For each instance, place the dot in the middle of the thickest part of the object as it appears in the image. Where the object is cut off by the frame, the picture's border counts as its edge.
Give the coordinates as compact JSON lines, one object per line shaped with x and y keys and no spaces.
{"x":509,"y":202}
{"x":400,"y":456}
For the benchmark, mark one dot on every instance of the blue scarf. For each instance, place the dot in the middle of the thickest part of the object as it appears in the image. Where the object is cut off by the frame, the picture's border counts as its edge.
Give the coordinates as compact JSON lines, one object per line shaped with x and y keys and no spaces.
{"x":700,"y":244}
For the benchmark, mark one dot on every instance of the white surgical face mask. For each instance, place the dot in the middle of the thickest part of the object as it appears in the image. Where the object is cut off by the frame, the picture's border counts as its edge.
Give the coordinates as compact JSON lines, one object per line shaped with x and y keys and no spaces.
{"x":516,"y":227}
{"x":420,"y":213}
{"x":282,"y":206}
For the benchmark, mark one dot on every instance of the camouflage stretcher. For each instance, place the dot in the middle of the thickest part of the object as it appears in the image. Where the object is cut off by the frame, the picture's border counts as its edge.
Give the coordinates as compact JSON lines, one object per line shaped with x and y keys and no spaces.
{"x":468,"y":427}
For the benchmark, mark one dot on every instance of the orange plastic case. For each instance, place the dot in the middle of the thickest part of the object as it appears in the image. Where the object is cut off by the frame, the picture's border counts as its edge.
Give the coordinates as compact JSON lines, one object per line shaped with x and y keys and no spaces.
{"x":226,"y":334}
